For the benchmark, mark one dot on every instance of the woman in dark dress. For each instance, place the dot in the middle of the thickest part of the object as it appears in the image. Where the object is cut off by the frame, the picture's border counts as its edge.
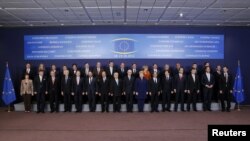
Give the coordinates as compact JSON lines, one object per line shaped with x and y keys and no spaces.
{"x":141,"y":87}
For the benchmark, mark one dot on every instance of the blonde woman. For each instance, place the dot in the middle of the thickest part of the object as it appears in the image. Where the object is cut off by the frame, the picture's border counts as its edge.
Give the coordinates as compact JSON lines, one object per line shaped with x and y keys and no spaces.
{"x":27,"y":91}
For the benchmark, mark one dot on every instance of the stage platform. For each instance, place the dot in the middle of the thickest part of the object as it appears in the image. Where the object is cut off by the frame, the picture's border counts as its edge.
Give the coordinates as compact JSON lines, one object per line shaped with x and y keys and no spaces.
{"x":214,"y":107}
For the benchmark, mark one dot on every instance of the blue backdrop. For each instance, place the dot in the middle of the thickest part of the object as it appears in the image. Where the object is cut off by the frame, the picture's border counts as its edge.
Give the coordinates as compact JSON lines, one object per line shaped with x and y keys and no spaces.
{"x":236,"y":44}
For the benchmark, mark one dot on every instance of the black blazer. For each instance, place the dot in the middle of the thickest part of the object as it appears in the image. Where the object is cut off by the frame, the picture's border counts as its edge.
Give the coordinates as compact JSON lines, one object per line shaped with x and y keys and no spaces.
{"x":103,"y":87}
{"x":193,"y":85}
{"x":204,"y":80}
{"x":115,"y":89}
{"x":31,"y":73}
{"x":77,"y":88}
{"x":40,"y":86}
{"x":66,"y":86}
{"x":136,"y":73}
{"x":83,"y":74}
{"x":180,"y":84}
{"x":167,"y":85}
{"x":128,"y":85}
{"x":223,"y":85}
{"x":90,"y":88}
{"x":96,"y":74}
{"x":122,"y":74}
{"x":109,"y":73}
{"x":154,"y":87}
{"x":53,"y":87}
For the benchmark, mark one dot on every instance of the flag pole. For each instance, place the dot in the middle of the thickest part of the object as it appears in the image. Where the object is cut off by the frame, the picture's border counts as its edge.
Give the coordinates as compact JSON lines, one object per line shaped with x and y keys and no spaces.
{"x":238,"y":109}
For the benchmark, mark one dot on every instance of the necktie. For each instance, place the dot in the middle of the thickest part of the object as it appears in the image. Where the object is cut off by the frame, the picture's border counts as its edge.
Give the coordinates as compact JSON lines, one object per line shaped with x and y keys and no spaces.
{"x":66,"y":79}
{"x":53,"y":80}
{"x":77,"y":80}
{"x":226,"y":76}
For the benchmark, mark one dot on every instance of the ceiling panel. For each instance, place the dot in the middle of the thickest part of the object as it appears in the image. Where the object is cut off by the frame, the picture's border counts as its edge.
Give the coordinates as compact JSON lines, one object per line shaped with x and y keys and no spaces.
{"x":124,"y":12}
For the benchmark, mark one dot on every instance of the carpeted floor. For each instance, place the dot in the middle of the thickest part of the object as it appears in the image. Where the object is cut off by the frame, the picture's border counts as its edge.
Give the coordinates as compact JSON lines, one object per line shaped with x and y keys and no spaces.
{"x":174,"y":126}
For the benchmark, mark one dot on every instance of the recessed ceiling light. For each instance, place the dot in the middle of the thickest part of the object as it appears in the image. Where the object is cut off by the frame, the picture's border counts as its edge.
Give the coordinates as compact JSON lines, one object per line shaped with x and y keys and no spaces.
{"x":181,"y":14}
{"x":31,"y":24}
{"x":187,"y":24}
{"x":62,"y":24}
{"x":218,"y":24}
{"x":156,"y":23}
{"x":93,"y":23}
{"x":125,"y":23}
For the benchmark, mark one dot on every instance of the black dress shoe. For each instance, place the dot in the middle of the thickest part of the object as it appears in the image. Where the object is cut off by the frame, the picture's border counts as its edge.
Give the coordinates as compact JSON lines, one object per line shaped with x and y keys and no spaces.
{"x":209,"y":110}
{"x":195,"y":110}
{"x":168,"y":110}
{"x":157,"y":111}
{"x":223,"y":110}
{"x":37,"y":112}
{"x":228,"y":110}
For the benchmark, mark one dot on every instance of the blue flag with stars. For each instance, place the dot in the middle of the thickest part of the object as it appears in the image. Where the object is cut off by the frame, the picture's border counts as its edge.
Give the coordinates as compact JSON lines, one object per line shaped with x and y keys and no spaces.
{"x":238,"y":87}
{"x":8,"y":94}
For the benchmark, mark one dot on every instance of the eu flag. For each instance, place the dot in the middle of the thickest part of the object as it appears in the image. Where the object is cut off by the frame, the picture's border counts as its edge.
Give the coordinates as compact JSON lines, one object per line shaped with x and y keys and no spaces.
{"x":8,"y":94}
{"x":238,"y":87}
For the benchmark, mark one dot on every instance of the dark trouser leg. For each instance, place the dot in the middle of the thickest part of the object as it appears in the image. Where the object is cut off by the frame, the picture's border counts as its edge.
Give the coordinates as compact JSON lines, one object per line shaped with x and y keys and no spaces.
{"x":140,"y":105}
{"x":164,"y":99}
{"x":114,"y":104}
{"x":189,"y":99}
{"x":40,"y":102}
{"x":52,"y":100}
{"x":152,"y":102}
{"x":27,"y":102}
{"x":205,"y":99}
{"x":177,"y":97}
{"x":65,"y":99}
{"x":168,"y":94}
{"x":76,"y":102}
{"x":182,"y":100}
{"x":229,"y":98}
{"x":156,"y":102}
{"x":56,"y":102}
{"x":210,"y":93}
{"x":118,"y":103}
{"x":194,"y":99}
{"x":221,"y":97}
{"x":103,"y":102}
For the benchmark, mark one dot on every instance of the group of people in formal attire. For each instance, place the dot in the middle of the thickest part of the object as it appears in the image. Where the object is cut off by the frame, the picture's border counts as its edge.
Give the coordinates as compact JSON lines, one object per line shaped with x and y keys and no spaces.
{"x":110,"y":84}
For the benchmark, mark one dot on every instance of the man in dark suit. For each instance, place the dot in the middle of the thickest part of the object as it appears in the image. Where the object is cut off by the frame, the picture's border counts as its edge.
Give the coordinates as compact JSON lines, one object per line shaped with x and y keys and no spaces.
{"x":116,"y":92}
{"x":207,"y":82}
{"x":40,"y":87}
{"x":85,"y":70}
{"x":66,"y":86}
{"x":77,"y":91}
{"x":135,"y":71}
{"x":217,"y":77}
{"x":177,"y":69}
{"x":111,"y":69}
{"x":91,"y":90}
{"x":155,"y":69}
{"x":226,"y":89}
{"x":97,"y":71}
{"x":180,"y":89}
{"x":128,"y":89}
{"x":103,"y":90}
{"x":122,"y":71}
{"x":28,"y":70}
{"x":53,"y":90}
{"x":73,"y":70}
{"x":193,"y":89}
{"x":154,"y":91}
{"x":167,"y":90}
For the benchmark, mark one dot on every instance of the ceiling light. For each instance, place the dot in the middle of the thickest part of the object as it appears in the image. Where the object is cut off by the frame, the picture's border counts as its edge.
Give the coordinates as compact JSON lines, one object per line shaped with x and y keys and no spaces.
{"x":62,"y":24}
{"x":181,"y":14}
{"x":218,"y":24}
{"x":31,"y":24}
{"x":93,"y":23}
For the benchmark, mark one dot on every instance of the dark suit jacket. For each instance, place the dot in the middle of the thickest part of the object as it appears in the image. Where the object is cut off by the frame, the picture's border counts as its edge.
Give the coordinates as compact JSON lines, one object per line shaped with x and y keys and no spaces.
{"x":180,"y":84}
{"x":90,"y":88}
{"x":193,"y":85}
{"x":66,"y":87}
{"x":83,"y":72}
{"x":96,"y":74}
{"x":53,"y":86}
{"x":122,"y":74}
{"x":77,"y":88}
{"x":128,"y":85}
{"x":115,"y":89}
{"x":204,"y":80}
{"x":223,"y":85}
{"x":167,"y":85}
{"x":104,"y":87}
{"x":40,"y":86}
{"x":72,"y":73}
{"x":136,"y":73}
{"x":31,"y":73}
{"x":141,"y":87}
{"x":154,"y":87}
{"x":109,"y":73}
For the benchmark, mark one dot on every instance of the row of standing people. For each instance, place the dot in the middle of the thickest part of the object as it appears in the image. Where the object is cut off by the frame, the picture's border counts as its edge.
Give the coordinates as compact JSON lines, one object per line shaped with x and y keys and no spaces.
{"x":167,"y":85}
